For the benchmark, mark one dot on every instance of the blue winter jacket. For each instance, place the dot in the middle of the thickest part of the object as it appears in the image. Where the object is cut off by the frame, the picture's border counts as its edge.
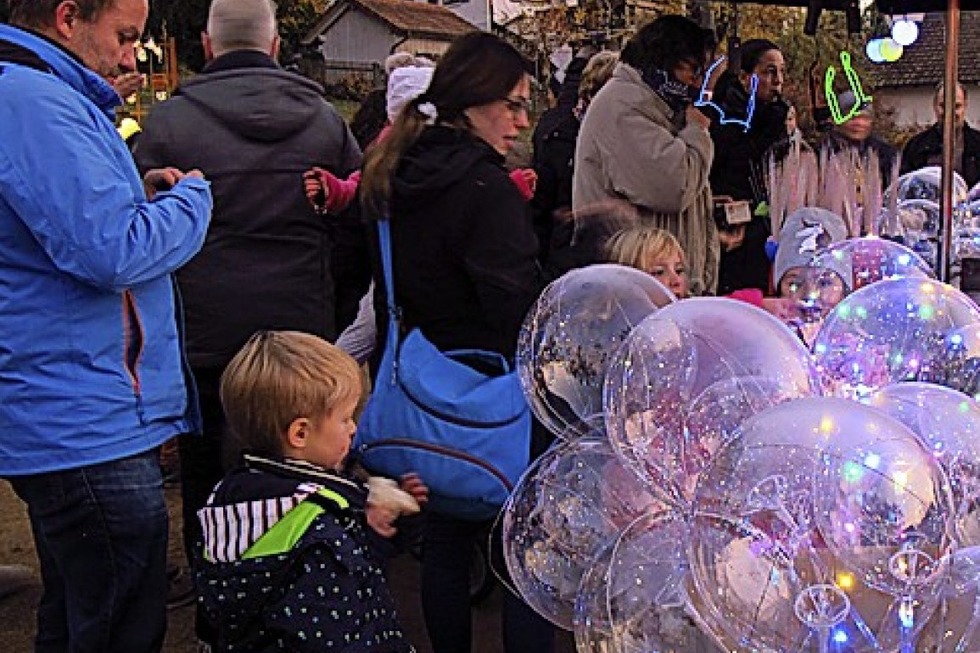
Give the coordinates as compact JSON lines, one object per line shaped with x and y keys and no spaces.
{"x":90,"y":358}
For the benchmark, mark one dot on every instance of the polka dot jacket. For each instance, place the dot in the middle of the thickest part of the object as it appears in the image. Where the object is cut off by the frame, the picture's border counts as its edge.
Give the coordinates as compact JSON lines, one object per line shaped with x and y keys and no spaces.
{"x":325,"y":591}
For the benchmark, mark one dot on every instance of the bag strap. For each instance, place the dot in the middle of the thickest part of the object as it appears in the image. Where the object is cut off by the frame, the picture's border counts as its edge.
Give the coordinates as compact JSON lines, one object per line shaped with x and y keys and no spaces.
{"x":384,"y":240}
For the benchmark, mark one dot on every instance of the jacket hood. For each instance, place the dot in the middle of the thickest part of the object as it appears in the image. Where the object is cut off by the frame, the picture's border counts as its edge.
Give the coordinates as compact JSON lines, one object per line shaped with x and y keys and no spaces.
{"x":259,"y":104}
{"x":439,"y":158}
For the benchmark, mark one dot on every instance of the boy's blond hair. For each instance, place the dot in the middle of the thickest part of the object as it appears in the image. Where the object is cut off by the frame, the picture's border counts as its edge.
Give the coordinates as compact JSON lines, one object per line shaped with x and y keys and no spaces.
{"x":637,"y":246}
{"x":279,"y":376}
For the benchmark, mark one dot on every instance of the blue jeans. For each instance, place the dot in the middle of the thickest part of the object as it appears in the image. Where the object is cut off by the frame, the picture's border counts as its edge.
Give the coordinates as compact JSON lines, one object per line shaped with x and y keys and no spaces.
{"x":101,"y":538}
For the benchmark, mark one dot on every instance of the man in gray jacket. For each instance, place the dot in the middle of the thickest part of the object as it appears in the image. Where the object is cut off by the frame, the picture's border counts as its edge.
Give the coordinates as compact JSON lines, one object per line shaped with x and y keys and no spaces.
{"x":643,"y":142}
{"x":253,"y":129}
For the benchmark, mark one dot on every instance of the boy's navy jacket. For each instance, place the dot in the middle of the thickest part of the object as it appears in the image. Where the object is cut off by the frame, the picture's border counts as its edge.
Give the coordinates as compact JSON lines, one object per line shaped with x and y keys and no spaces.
{"x":326,"y":593}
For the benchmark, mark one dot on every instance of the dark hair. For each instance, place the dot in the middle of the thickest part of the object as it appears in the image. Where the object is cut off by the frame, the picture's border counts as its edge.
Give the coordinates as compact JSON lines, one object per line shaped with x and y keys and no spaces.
{"x":477,"y":69}
{"x":751,"y":51}
{"x":40,"y":13}
{"x":370,"y":118}
{"x":666,"y":42}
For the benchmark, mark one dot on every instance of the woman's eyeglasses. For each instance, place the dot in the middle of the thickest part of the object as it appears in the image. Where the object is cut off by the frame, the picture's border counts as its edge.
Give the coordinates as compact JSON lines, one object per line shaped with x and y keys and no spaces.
{"x":517,"y":104}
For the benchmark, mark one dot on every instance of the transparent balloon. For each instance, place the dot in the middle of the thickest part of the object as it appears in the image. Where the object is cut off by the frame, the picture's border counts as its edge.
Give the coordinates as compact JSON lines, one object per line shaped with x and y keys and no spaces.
{"x":881,"y":334}
{"x":925,"y":184}
{"x":568,"y":506}
{"x":758,"y":565}
{"x":869,"y":259}
{"x":966,"y":236}
{"x":571,"y":333}
{"x":631,"y":600}
{"x":952,"y":360}
{"x":948,"y":423}
{"x":687,"y":376}
{"x":882,"y":506}
{"x":882,"y":503}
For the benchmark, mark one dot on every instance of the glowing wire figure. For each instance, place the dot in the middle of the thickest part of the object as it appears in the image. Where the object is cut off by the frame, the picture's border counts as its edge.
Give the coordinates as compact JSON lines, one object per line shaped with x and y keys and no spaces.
{"x":704,"y":100}
{"x":860,"y":99}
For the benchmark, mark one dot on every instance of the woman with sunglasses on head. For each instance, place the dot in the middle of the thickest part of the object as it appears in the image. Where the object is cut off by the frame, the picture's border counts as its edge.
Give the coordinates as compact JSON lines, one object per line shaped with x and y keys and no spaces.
{"x":465,"y":272}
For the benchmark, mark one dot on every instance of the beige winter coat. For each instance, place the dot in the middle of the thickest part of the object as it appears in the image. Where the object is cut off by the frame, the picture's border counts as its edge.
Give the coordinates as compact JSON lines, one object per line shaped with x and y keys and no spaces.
{"x":628,"y":149}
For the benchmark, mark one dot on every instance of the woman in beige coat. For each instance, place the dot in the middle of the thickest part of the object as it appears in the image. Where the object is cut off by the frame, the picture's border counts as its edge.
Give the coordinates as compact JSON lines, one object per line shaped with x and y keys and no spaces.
{"x":642,"y":141}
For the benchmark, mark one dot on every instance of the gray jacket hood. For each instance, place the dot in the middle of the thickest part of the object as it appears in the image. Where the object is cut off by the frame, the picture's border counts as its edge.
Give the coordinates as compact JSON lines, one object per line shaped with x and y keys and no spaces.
{"x":279,"y":105}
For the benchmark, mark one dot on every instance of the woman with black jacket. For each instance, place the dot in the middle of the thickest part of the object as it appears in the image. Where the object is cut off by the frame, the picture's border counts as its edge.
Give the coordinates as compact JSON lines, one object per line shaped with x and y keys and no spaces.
{"x":465,"y":270}
{"x":738,"y":170}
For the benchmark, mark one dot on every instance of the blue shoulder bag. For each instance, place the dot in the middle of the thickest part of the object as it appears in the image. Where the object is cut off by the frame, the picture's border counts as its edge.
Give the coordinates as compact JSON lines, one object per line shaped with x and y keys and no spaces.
{"x":458,"y":418}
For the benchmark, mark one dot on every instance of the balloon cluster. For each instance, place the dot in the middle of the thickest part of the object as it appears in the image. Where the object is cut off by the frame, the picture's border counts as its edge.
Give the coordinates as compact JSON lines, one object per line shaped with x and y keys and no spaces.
{"x":918,"y":220}
{"x":716,"y":485}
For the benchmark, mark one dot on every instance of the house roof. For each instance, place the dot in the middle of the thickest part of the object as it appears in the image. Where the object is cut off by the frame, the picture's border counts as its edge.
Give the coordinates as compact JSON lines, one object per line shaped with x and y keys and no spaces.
{"x":923,"y":62}
{"x":410,"y":18}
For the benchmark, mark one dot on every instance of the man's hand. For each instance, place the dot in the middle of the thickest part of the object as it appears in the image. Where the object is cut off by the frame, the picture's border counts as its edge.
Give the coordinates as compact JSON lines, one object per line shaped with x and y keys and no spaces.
{"x":731,"y":237}
{"x":161,"y":179}
{"x":127,"y":83}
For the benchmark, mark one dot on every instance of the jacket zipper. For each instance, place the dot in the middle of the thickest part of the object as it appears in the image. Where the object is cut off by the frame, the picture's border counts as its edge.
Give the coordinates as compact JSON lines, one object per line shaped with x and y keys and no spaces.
{"x":445,"y":451}
{"x":132,"y":339}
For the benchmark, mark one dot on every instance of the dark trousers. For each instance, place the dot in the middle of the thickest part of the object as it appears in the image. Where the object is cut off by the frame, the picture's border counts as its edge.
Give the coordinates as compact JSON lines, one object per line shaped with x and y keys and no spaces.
{"x":203,"y":461}
{"x":101,"y":538}
{"x":202,"y":457}
{"x":447,"y":553}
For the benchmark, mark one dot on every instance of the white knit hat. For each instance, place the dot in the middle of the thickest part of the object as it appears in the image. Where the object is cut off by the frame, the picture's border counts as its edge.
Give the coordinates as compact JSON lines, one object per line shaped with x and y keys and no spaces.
{"x":404,"y":85}
{"x":807,"y":232}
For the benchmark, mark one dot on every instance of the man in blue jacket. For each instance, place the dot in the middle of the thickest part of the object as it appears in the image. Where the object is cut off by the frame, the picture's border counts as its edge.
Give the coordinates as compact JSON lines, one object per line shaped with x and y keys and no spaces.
{"x":91,"y":378}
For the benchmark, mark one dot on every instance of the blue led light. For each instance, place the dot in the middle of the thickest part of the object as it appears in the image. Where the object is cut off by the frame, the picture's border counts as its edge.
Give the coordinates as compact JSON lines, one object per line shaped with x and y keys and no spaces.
{"x":705,"y":99}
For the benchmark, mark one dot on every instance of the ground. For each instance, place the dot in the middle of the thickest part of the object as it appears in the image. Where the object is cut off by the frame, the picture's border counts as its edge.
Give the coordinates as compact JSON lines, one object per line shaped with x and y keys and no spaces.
{"x":17,"y":611}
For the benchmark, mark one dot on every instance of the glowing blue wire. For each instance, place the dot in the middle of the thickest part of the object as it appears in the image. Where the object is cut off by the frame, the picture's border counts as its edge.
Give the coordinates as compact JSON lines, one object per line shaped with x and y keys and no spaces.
{"x":704,"y":101}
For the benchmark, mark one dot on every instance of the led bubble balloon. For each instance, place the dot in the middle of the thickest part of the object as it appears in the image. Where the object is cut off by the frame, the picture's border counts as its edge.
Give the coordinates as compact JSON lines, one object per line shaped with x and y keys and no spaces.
{"x":949,"y":424}
{"x":687,"y":375}
{"x":925,"y":184}
{"x":882,"y":507}
{"x":882,"y":333}
{"x":631,"y":598}
{"x":570,"y":335}
{"x":873,"y":51}
{"x":757,"y":562}
{"x":571,"y":503}
{"x":920,"y":221}
{"x":952,"y":360}
{"x":880,"y":493}
{"x":872,"y":259}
